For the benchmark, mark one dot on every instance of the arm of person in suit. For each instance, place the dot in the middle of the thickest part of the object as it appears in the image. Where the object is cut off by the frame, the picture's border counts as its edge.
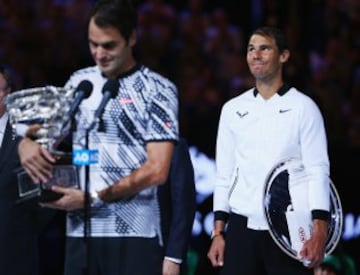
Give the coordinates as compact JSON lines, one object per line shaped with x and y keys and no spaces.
{"x":183,"y":206}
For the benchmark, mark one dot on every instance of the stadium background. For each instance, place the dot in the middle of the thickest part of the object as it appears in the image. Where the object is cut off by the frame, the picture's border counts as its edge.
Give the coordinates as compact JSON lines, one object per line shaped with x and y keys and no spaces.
{"x":200,"y":45}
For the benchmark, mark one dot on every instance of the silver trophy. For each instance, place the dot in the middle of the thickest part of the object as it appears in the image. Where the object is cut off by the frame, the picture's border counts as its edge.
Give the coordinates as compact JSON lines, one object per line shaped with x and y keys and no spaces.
{"x":287,"y":210}
{"x":48,"y":107}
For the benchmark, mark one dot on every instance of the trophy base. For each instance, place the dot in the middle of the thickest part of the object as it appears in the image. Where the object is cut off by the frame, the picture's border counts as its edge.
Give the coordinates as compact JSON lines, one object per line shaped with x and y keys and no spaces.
{"x":47,"y":195}
{"x":63,"y":175}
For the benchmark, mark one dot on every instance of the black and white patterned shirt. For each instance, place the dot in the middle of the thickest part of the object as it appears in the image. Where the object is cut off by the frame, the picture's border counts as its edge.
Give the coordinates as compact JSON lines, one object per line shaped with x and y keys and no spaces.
{"x":144,"y":110}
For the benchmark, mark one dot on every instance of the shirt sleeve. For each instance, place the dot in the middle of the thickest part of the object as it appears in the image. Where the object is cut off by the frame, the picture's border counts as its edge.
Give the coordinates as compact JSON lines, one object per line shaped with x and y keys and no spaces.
{"x":224,"y":162}
{"x":315,"y":156}
{"x":163,"y":114}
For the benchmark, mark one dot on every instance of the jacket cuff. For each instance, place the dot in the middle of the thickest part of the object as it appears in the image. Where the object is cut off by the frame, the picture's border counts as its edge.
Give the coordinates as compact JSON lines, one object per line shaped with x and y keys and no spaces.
{"x":221,"y":215}
{"x":320,"y":215}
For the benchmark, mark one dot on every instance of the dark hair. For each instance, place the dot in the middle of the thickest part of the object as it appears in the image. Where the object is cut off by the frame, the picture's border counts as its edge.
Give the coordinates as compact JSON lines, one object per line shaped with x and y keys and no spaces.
{"x":6,"y":72}
{"x":274,"y":33}
{"x":120,"y":14}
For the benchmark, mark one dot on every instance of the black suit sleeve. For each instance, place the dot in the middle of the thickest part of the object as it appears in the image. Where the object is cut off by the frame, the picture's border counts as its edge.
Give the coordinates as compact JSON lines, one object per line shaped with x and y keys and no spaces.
{"x":178,"y":203}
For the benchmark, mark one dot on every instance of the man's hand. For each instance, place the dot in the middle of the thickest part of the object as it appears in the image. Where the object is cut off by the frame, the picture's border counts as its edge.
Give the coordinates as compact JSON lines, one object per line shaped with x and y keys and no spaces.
{"x":170,"y":268}
{"x":313,"y":250}
{"x":36,"y":160}
{"x":72,"y":199}
{"x":216,"y":251}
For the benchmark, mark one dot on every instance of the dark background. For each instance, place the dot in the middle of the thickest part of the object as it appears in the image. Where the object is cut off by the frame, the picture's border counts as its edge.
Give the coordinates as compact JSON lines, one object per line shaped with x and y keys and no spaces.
{"x":202,"y":50}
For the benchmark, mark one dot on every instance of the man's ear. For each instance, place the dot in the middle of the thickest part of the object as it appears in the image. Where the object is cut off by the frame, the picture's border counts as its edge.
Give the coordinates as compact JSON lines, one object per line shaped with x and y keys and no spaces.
{"x":284,"y":56}
{"x":133,"y":38}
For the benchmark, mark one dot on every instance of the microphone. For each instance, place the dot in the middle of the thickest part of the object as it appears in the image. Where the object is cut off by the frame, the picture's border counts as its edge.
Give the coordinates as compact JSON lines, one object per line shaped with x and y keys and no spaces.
{"x":82,"y":91}
{"x":110,"y":90}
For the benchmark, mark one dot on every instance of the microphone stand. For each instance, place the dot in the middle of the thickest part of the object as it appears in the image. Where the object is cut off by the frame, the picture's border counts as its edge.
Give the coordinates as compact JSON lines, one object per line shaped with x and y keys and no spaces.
{"x":87,"y":207}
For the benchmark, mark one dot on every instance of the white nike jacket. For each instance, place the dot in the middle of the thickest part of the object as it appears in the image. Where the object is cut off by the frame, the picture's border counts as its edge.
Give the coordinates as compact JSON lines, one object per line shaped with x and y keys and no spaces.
{"x":255,"y":134}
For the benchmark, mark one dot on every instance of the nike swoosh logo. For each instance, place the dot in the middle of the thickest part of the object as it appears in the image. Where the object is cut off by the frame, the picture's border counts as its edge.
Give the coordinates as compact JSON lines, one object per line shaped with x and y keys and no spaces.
{"x":284,"y":110}
{"x":241,"y":115}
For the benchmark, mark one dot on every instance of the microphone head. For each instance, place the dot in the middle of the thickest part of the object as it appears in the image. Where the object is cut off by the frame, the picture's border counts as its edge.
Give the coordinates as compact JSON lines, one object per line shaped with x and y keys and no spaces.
{"x":111,"y":86}
{"x":86,"y":87}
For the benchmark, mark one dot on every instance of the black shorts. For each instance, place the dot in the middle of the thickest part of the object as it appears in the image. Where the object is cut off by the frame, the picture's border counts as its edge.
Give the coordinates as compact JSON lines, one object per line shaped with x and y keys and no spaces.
{"x":113,"y":256}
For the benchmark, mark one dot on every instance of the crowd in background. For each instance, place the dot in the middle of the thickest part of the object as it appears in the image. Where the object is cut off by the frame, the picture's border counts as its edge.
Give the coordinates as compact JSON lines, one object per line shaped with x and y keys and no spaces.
{"x":200,"y":45}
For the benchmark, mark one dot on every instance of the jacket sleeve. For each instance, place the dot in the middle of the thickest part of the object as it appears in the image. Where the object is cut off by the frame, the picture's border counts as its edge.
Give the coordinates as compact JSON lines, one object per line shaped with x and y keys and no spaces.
{"x":178,"y":203}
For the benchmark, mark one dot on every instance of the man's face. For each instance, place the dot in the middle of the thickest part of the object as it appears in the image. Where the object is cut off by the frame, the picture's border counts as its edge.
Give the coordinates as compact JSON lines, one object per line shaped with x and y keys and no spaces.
{"x":263,"y":58}
{"x":4,"y":91}
{"x":110,"y":51}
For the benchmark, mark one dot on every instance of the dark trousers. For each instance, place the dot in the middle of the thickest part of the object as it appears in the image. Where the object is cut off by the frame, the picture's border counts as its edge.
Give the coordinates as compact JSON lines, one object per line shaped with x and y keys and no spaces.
{"x":113,"y":256}
{"x":253,"y":252}
{"x":19,"y":254}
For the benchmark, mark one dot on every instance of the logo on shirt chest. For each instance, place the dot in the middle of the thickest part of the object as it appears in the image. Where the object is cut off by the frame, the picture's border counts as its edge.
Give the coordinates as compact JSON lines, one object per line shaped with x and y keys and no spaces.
{"x":281,"y":111}
{"x":241,"y":115}
{"x":125,"y":100}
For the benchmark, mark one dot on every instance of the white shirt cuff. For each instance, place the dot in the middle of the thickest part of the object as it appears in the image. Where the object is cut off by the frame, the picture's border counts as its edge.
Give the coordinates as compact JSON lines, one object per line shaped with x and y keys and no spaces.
{"x":175,"y":260}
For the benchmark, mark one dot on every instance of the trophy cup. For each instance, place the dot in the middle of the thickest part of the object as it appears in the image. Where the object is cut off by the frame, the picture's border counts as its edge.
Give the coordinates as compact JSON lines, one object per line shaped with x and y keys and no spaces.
{"x":48,"y":107}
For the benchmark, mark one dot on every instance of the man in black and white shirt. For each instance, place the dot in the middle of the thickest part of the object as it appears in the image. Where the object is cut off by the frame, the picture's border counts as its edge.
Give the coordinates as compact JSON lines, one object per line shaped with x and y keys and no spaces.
{"x":135,"y":140}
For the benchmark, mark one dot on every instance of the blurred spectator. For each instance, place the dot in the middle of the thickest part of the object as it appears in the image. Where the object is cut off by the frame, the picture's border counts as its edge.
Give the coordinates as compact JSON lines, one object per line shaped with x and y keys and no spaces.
{"x":334,"y":264}
{"x":329,"y":266}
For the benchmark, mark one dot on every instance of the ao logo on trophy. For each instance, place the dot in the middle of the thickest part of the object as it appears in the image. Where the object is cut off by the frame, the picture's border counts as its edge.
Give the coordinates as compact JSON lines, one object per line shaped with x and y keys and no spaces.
{"x":85,"y":157}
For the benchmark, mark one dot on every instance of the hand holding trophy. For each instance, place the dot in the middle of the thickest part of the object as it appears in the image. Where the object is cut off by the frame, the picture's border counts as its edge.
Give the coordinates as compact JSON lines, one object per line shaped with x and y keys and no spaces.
{"x":51,"y":109}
